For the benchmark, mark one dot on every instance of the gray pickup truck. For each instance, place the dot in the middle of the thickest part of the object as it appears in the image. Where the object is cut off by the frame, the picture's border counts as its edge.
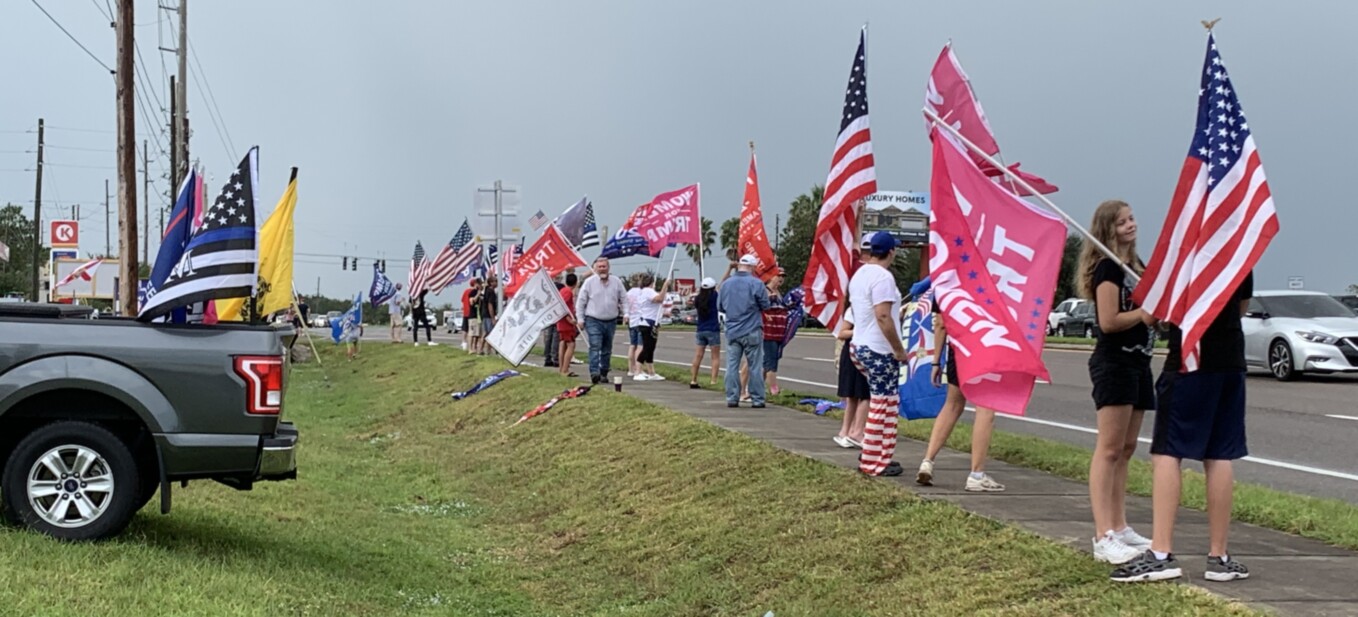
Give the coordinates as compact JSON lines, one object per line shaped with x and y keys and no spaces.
{"x":97,"y":414}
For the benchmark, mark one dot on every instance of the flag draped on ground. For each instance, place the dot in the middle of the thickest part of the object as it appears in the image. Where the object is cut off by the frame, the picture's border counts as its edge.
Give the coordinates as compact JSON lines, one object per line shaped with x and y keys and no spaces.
{"x":950,"y":96}
{"x":672,"y":218}
{"x":752,"y":239}
{"x":536,"y":304}
{"x":994,"y":263}
{"x":552,"y":252}
{"x":486,"y":383}
{"x":419,"y":271}
{"x":275,"y":263}
{"x":571,"y":393}
{"x":1220,"y":220}
{"x":853,"y":176}
{"x":382,"y":288}
{"x":453,"y":258}
{"x":84,"y":272}
{"x":221,"y":258}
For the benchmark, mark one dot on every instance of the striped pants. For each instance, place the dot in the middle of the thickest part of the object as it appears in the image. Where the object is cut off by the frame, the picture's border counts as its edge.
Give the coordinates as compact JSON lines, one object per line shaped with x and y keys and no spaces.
{"x":879,"y":437}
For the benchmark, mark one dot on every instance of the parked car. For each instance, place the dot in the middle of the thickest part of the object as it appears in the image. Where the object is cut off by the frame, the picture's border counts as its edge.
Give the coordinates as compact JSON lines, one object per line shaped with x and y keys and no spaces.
{"x":1080,"y":321}
{"x":433,"y":320}
{"x":1350,"y":301}
{"x":689,"y":317}
{"x":320,"y":321}
{"x":1295,"y":332}
{"x":452,"y":320}
{"x":96,"y":416}
{"x":1061,"y":311}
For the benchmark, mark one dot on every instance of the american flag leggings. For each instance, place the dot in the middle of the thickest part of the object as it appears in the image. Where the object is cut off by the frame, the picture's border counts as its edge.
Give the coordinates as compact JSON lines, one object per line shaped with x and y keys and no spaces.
{"x":879,"y":436}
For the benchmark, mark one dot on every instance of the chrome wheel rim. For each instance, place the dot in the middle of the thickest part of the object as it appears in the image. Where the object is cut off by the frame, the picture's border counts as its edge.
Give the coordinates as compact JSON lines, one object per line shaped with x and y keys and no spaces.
{"x":1280,"y":361}
{"x":70,"y":486}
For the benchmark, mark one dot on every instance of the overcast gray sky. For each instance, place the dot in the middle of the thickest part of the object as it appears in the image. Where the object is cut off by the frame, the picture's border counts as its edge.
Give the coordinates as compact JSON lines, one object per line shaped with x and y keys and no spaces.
{"x":396,"y":111}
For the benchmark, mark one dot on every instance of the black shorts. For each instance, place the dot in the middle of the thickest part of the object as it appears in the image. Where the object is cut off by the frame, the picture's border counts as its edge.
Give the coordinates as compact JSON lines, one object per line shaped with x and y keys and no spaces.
{"x":852,"y":384}
{"x":950,"y":369}
{"x":1202,"y":416}
{"x":1122,"y":381}
{"x":465,"y":321}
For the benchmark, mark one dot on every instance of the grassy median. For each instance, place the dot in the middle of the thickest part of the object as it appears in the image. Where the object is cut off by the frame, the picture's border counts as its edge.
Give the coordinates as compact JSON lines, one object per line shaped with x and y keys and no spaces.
{"x":1329,"y":520}
{"x":412,"y":503}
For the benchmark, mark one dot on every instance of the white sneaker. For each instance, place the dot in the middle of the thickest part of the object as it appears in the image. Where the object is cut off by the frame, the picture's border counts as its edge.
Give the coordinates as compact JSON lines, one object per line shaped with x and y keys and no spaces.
{"x":433,"y":344}
{"x":843,"y":442}
{"x":925,"y":477}
{"x":1133,"y":539}
{"x":1109,"y":549}
{"x":417,"y":344}
{"x":640,"y":377}
{"x":655,"y":377}
{"x":464,"y":347}
{"x":985,"y":484}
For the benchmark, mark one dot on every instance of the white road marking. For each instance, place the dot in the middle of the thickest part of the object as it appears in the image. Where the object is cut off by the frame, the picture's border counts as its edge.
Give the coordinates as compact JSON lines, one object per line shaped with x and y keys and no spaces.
{"x":820,"y":359}
{"x":1339,"y":417}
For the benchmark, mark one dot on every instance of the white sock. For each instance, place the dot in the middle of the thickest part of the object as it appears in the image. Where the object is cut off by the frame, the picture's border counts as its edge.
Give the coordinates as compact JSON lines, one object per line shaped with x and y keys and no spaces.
{"x":977,"y":475}
{"x":1160,"y":556}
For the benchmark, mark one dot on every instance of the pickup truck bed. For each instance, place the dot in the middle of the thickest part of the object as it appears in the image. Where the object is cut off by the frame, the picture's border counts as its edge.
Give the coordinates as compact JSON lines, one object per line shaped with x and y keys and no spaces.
{"x":97,"y":414}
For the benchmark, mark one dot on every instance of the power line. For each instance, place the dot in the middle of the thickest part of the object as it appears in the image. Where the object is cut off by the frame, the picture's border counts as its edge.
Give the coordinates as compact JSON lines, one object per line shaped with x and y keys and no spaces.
{"x":213,"y":117}
{"x":211,"y":96}
{"x":72,"y":37}
{"x":52,"y":147}
{"x":107,"y":15}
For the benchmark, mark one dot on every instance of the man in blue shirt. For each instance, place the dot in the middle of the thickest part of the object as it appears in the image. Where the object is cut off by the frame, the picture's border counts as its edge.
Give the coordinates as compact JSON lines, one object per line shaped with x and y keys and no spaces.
{"x":742,"y":300}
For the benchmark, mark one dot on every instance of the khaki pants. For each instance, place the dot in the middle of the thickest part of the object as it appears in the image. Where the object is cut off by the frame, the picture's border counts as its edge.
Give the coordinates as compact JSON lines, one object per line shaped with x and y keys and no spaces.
{"x":396,"y":325}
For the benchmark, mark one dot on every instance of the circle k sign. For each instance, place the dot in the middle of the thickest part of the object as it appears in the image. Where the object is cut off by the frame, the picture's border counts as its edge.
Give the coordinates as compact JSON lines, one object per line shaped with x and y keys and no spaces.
{"x":65,"y":234}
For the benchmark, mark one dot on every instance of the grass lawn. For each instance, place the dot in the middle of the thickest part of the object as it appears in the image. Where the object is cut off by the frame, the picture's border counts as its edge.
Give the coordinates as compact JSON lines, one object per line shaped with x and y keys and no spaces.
{"x":412,"y":503}
{"x":1329,"y":520}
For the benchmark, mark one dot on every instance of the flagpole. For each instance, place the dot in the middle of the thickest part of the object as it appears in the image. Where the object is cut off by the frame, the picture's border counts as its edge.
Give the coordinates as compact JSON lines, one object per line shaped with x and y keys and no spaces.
{"x":1015,"y":178}
{"x":306,"y":329}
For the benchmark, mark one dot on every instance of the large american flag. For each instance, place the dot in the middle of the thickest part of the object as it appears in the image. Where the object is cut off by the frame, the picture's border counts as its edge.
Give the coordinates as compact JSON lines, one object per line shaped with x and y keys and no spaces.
{"x":453,"y":258}
{"x":419,"y":271}
{"x":852,"y":177}
{"x":1220,"y":220}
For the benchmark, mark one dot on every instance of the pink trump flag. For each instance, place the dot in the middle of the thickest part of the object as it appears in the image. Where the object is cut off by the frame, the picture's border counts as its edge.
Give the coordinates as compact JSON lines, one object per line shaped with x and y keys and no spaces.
{"x":994,"y":263}
{"x":672,"y":219}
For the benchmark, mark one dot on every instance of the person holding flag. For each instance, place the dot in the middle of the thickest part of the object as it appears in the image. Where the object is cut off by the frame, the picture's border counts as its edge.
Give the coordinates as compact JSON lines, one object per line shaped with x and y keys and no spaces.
{"x":394,"y":311}
{"x":419,"y":314}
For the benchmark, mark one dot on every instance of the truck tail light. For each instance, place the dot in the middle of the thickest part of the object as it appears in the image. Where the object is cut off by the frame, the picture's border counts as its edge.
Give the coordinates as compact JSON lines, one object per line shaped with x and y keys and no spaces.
{"x":263,"y":377}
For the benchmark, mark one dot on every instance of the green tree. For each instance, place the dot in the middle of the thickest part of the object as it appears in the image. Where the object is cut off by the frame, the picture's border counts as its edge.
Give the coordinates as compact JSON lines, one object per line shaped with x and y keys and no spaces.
{"x":697,"y":252}
{"x":1070,"y":261}
{"x":796,"y":237}
{"x":1353,"y":289}
{"x":16,"y":231}
{"x":730,"y":237}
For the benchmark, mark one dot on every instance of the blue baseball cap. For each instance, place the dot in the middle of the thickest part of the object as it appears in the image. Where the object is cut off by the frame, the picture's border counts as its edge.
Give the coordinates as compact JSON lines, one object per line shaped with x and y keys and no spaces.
{"x":882,"y":242}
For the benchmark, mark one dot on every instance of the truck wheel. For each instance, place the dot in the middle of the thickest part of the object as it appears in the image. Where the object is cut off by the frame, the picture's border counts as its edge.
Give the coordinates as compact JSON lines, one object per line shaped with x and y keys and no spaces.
{"x":72,"y":481}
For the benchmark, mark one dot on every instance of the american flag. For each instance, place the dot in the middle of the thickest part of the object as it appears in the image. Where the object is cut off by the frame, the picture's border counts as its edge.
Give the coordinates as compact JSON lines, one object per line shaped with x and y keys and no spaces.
{"x":512,"y":254}
{"x":453,"y":258}
{"x":538,"y":220}
{"x":591,"y":235}
{"x":1220,"y":220}
{"x":852,"y":177}
{"x":419,"y":271}
{"x":221,"y":257}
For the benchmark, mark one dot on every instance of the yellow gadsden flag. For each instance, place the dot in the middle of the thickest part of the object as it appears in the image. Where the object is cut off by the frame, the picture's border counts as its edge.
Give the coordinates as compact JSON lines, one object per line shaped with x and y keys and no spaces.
{"x":275,"y":263}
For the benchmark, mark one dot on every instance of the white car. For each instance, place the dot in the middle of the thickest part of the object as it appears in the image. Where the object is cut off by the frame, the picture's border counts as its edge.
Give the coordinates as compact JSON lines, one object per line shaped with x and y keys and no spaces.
{"x":1062,"y":310}
{"x":1295,"y":332}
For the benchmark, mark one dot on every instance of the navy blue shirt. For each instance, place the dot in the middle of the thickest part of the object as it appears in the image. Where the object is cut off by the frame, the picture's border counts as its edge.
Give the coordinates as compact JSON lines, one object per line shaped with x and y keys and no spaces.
{"x":711,"y":323}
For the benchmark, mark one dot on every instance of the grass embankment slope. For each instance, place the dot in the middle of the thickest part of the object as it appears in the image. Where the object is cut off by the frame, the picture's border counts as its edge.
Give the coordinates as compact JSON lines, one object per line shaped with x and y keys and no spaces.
{"x":411,"y":503}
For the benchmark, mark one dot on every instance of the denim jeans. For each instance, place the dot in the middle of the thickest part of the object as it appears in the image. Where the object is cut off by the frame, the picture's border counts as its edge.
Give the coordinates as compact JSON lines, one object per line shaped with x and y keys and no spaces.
{"x":600,"y":344}
{"x":549,"y":344}
{"x":751,"y":347}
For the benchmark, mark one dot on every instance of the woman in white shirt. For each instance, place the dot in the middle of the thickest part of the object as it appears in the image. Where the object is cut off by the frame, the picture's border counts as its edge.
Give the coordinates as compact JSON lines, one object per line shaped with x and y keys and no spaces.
{"x":650,"y":302}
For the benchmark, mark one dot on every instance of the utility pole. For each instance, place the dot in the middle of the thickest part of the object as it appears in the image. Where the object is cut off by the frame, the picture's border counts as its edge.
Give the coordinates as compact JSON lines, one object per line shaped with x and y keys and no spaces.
{"x":146,"y":202}
{"x":37,"y":217}
{"x":499,"y":213}
{"x":777,"y":222}
{"x":182,"y":94}
{"x":174,"y":139}
{"x":108,"y":223}
{"x":127,"y":164}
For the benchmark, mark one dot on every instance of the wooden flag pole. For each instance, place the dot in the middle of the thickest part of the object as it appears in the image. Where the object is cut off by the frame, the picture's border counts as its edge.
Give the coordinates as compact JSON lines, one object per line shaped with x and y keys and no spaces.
{"x":1013,"y":177}
{"x":306,"y":329}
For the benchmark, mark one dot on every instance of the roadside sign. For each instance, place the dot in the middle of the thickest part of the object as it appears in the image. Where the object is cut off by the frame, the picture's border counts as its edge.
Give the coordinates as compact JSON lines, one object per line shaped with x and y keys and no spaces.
{"x":903,"y":213}
{"x":65,"y":254}
{"x":1296,"y":282}
{"x":685,"y":287}
{"x":4,"y":252}
{"x":65,"y":235}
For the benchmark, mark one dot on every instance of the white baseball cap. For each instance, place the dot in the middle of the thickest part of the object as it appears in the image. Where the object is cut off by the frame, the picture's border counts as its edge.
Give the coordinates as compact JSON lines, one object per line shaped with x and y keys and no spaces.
{"x":708,"y":283}
{"x":749,"y":260}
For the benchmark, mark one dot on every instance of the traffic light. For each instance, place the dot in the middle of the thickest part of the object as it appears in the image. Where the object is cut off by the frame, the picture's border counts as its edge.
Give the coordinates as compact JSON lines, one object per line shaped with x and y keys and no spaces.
{"x":355,"y":264}
{"x":344,"y":263}
{"x":382,"y":266}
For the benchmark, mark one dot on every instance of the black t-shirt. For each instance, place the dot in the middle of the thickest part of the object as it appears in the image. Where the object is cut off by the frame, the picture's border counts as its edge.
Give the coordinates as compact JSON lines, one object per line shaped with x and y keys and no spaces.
{"x":475,"y":300}
{"x":1136,"y":342}
{"x":1223,"y":344}
{"x":489,"y":305}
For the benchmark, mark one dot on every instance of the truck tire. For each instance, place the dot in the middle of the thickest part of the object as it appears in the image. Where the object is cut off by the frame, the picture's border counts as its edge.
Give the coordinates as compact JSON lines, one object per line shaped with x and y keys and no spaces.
{"x":73,"y":481}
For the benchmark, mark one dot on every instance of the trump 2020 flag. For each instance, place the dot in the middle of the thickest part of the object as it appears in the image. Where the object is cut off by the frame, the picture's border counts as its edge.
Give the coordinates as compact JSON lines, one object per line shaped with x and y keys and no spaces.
{"x":344,"y":329}
{"x":994,"y":264}
{"x":627,"y":240}
{"x":536,"y":304}
{"x":920,"y":398}
{"x":382,"y":288}
{"x":221,"y":258}
{"x":671,"y":219}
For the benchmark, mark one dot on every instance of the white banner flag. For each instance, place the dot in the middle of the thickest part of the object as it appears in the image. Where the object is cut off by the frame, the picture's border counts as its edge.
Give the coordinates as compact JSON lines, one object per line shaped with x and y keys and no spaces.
{"x":536,"y":304}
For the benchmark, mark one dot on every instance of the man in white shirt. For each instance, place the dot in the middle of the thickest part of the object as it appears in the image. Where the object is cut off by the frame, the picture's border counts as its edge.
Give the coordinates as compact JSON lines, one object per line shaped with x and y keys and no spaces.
{"x":599,"y":303}
{"x":877,"y":351}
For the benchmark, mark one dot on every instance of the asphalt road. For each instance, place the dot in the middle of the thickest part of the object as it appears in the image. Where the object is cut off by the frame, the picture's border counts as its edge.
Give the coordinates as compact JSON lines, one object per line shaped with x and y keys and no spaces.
{"x":1303,"y":436}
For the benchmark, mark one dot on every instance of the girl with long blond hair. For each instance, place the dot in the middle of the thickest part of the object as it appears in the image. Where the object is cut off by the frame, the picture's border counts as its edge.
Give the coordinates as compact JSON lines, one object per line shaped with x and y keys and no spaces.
{"x":1120,"y":369}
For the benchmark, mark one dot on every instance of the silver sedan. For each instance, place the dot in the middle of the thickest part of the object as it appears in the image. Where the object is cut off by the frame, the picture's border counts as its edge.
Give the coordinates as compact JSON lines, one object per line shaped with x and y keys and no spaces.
{"x":1295,"y":332}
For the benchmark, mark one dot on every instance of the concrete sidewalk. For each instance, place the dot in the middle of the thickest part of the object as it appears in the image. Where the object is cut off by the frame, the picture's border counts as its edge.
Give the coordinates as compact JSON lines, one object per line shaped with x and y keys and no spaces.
{"x":1290,"y":574}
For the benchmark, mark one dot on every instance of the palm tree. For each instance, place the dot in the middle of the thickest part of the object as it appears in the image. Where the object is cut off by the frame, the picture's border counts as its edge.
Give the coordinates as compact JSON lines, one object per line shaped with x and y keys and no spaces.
{"x":697,"y":252}
{"x":730,"y":237}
